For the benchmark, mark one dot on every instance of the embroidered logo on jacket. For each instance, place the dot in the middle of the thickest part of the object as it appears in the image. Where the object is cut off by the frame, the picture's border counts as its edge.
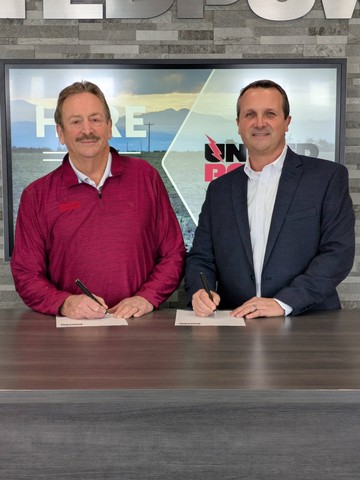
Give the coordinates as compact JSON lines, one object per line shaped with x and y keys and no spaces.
{"x":69,"y":206}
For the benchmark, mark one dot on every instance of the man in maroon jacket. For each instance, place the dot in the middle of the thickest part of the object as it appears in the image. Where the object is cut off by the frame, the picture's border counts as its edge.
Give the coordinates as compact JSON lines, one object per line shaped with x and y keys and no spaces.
{"x":100,"y":217}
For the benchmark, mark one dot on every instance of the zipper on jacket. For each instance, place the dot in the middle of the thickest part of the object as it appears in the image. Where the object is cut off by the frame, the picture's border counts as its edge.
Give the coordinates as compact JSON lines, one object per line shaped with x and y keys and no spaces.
{"x":101,"y":206}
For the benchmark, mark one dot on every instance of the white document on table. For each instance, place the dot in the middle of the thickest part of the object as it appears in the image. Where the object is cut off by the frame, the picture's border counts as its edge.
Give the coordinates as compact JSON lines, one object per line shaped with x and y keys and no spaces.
{"x":62,"y":322}
{"x":187,"y":318}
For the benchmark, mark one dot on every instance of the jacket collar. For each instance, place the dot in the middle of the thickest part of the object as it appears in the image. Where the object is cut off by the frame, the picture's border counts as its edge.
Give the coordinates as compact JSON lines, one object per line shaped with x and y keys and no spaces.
{"x":290,"y":176}
{"x":239,"y":195}
{"x":70,"y":177}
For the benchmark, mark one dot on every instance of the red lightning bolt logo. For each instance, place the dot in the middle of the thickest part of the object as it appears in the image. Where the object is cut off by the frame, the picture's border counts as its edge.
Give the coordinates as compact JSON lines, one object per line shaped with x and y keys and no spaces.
{"x":215,"y":149}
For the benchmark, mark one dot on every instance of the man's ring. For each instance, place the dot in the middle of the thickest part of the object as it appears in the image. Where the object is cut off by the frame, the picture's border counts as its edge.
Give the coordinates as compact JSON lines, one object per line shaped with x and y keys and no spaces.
{"x":137,"y":308}
{"x":255,"y":308}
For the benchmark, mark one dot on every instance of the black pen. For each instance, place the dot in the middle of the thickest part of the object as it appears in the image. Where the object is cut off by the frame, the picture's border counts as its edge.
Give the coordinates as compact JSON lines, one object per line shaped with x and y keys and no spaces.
{"x":207,"y":289}
{"x":86,"y":291}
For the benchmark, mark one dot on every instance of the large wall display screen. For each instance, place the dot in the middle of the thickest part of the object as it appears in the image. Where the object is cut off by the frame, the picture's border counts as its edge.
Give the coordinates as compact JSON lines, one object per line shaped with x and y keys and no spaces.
{"x":179,"y":116}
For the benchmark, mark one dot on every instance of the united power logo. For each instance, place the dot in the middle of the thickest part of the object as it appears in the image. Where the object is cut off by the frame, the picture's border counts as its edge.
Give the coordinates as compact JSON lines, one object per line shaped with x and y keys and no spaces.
{"x":223,"y":158}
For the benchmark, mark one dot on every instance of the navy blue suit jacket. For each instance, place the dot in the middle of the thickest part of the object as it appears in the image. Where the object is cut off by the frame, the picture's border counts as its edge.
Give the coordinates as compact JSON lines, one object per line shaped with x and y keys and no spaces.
{"x":311,"y":243}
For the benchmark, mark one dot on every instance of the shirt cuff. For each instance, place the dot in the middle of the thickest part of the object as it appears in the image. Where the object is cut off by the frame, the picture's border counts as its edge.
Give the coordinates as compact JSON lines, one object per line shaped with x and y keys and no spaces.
{"x":284,"y":306}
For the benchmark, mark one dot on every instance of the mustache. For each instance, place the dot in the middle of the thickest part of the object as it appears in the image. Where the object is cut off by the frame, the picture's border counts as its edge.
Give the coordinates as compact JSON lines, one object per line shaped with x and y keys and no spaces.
{"x":87,"y":137}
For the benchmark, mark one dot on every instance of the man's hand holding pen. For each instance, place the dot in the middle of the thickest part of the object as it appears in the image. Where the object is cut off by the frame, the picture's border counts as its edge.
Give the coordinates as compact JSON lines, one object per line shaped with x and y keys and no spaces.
{"x":91,"y":306}
{"x":202,"y":305}
{"x":82,"y":306}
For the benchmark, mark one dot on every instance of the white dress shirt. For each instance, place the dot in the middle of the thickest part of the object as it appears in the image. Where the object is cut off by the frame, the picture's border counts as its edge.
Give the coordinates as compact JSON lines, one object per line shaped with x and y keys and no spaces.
{"x":85,"y":179}
{"x":261,"y":195}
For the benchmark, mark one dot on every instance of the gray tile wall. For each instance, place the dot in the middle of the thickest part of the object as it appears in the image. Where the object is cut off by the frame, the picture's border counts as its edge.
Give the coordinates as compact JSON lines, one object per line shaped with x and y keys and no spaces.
{"x":233,"y":31}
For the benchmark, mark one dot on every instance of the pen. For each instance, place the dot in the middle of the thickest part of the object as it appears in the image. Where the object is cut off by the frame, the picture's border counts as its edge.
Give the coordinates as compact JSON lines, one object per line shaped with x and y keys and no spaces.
{"x":86,"y":291}
{"x":206,"y":286}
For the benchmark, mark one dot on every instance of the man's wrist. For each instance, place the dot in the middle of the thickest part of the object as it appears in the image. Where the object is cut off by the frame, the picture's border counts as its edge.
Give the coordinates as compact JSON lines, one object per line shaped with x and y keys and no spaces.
{"x":287,"y":309}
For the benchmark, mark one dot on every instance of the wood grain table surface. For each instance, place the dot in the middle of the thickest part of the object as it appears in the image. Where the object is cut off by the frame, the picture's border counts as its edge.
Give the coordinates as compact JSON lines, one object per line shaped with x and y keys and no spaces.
{"x":320,"y":350}
{"x":277,"y":399}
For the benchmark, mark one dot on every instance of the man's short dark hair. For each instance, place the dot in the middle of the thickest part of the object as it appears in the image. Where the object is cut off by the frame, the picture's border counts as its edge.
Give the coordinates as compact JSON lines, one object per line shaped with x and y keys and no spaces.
{"x":266,"y":84}
{"x":75,"y":89}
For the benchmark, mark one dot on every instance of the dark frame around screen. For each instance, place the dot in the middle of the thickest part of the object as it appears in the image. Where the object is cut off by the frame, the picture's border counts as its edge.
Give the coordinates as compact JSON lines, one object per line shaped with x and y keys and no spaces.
{"x":8,"y":66}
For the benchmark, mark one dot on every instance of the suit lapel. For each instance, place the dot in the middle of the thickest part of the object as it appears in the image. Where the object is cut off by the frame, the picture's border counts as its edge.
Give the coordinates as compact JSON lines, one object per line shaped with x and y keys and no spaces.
{"x":290,"y":176}
{"x":239,"y":196}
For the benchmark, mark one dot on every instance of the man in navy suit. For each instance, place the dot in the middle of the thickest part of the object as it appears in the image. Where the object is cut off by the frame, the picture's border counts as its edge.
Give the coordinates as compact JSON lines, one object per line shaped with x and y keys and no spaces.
{"x":275,"y":236}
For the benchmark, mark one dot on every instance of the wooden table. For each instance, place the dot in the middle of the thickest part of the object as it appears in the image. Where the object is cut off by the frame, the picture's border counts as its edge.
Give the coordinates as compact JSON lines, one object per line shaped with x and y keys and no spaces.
{"x":277,"y":399}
